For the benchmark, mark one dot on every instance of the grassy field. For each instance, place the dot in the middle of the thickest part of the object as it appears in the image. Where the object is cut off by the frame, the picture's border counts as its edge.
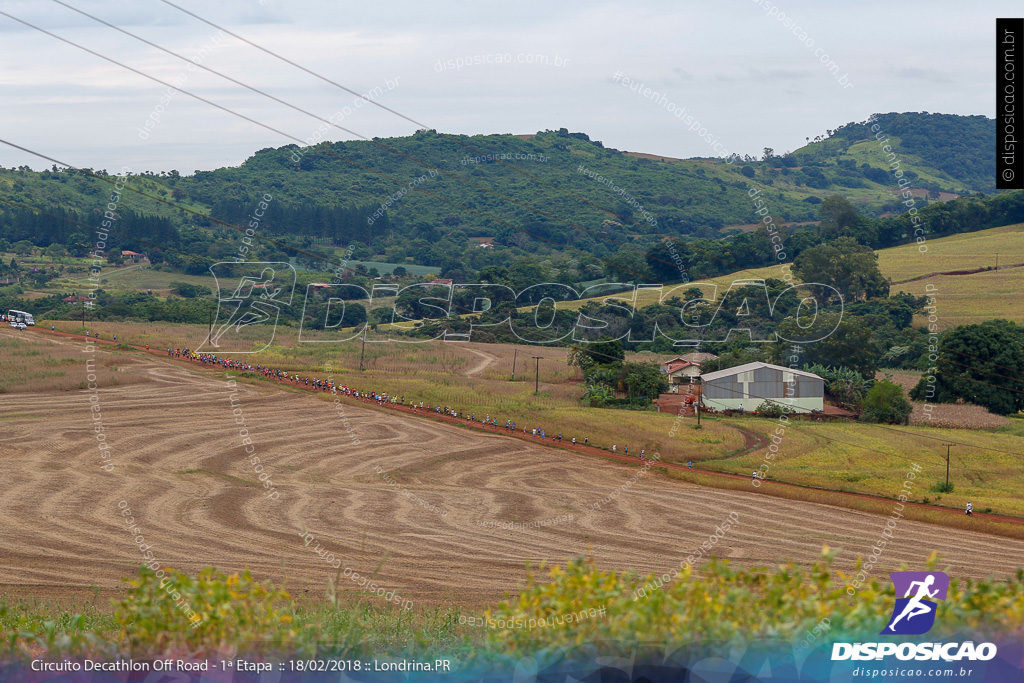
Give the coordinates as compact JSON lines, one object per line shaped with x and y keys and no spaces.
{"x":870,"y":152}
{"x":125,"y":278}
{"x":956,"y":252}
{"x":963,"y":299}
{"x":142,"y":278}
{"x":713,"y":288}
{"x":26,"y":365}
{"x":986,"y":467}
{"x":969,"y":299}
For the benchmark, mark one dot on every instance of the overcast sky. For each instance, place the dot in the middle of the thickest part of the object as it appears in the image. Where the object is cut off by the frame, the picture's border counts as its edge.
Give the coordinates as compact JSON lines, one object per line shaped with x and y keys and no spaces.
{"x":749,"y":78}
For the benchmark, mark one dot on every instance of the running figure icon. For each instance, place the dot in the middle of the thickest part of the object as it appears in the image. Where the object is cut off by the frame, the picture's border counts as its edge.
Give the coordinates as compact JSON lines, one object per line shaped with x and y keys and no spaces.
{"x":915,"y":607}
{"x":914,"y":612}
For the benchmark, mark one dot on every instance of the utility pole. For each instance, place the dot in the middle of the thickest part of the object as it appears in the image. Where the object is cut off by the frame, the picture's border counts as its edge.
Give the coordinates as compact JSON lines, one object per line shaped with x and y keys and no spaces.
{"x":947,"y":466}
{"x":536,"y":377}
{"x":362,"y":351}
{"x":515,"y":352}
{"x":209,"y":334}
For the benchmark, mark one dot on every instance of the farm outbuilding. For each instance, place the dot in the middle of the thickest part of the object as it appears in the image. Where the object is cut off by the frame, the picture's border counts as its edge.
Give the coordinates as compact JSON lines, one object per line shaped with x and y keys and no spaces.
{"x":684,"y":369}
{"x":745,"y":387}
{"x":678,"y":371}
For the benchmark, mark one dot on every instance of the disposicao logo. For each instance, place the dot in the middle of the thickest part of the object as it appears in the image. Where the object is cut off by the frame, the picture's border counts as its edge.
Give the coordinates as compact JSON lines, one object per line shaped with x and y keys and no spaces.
{"x":914,"y":615}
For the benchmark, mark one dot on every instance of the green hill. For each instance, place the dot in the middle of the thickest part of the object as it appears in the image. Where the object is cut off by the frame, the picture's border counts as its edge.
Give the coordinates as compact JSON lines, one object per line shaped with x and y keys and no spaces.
{"x":942,"y":151}
{"x":547,"y":185}
{"x":431,"y":199}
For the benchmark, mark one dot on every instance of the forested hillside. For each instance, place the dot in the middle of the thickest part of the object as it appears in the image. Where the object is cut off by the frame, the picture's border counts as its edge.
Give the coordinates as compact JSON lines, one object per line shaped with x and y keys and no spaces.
{"x":574,"y":208}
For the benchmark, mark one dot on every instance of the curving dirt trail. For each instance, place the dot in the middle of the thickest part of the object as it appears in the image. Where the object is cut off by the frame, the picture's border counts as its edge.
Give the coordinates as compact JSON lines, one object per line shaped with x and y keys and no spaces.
{"x":487,"y":359}
{"x":432,"y":525}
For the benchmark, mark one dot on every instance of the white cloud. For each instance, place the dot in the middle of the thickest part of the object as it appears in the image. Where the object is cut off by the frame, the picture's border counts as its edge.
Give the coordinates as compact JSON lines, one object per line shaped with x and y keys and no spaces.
{"x":743,"y":73}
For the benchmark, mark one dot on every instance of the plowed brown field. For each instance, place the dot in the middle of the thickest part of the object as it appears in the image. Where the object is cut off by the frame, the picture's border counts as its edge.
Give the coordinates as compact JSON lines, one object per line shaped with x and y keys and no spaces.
{"x":430,"y":529}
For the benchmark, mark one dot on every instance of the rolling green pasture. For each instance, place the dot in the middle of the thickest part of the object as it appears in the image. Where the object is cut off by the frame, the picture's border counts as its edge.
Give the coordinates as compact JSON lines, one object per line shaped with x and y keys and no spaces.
{"x":866,"y":458}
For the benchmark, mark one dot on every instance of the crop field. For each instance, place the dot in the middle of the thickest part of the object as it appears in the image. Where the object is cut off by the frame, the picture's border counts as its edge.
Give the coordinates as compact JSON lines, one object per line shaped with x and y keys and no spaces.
{"x":953,"y":415}
{"x":29,"y":366}
{"x":956,"y":252}
{"x":474,"y":378}
{"x":970,"y":299}
{"x":471,"y":377}
{"x":427,"y":509}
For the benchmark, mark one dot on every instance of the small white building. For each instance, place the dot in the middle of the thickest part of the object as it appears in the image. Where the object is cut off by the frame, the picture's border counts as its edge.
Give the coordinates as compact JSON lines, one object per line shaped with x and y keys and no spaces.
{"x":745,"y":387}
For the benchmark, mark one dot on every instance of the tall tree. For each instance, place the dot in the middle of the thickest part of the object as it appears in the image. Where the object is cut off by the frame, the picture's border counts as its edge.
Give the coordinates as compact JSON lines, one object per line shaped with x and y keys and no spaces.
{"x":604,"y":352}
{"x":668,"y":261}
{"x":626,"y":265}
{"x":981,"y":364}
{"x":849,"y":267}
{"x":643,"y":380}
{"x":838,"y":217}
{"x":852,"y":344}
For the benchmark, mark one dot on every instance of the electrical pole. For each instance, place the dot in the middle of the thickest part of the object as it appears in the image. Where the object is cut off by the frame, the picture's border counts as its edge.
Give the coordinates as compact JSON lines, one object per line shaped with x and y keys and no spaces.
{"x":209,"y":334}
{"x":536,"y":377}
{"x":362,"y":351}
{"x":515,"y":352}
{"x":947,"y":466}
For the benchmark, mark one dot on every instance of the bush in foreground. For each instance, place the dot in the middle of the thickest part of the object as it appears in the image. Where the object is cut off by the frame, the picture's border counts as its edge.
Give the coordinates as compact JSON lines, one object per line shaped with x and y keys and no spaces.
{"x":576,"y":609}
{"x":722,"y":605}
{"x":886,"y":403}
{"x":210,"y":614}
{"x":769,"y":408}
{"x":216,"y":616}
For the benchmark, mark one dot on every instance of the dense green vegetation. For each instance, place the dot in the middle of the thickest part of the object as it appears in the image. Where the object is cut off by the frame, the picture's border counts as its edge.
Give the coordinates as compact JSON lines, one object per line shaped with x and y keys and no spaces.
{"x":673,"y":610}
{"x":957,"y":146}
{"x":981,"y":364}
{"x":886,"y":403}
{"x":576,"y":208}
{"x":605,"y":371}
{"x":579,"y":609}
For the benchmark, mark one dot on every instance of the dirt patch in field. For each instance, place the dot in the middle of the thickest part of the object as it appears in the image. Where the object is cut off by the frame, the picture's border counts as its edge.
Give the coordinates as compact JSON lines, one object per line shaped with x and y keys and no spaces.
{"x":456,"y":518}
{"x":956,"y":416}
